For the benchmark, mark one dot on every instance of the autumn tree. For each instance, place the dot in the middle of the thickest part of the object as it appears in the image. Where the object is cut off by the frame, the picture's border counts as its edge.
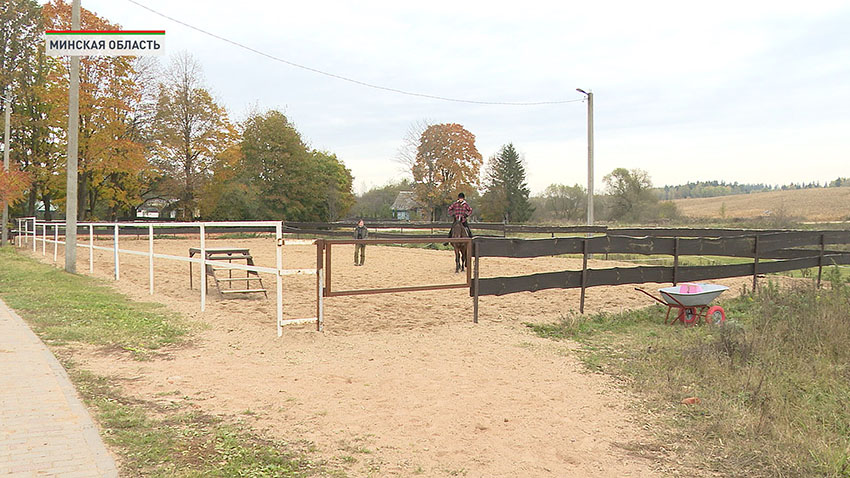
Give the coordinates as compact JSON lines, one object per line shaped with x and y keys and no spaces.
{"x":112,"y":162}
{"x":138,"y":121}
{"x":506,"y":195}
{"x":230,"y":195}
{"x":447,"y":162}
{"x":23,"y":76}
{"x":275,"y":175}
{"x":191,"y":129}
{"x":20,"y":36}
{"x":13,"y":183}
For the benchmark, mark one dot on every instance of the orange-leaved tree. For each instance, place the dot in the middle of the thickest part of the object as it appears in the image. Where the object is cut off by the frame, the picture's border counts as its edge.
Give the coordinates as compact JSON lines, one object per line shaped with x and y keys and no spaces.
{"x":24,"y":70}
{"x":447,"y":162}
{"x":191,"y":130}
{"x":112,"y":163}
{"x":13,"y":183}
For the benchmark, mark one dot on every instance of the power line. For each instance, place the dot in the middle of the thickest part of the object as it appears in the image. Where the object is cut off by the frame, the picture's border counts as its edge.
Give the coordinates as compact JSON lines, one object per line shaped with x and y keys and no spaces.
{"x":350,"y":80}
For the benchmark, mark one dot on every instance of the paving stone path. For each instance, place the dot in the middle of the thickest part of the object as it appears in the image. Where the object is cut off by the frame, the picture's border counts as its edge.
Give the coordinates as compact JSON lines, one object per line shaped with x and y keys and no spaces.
{"x":44,"y":428}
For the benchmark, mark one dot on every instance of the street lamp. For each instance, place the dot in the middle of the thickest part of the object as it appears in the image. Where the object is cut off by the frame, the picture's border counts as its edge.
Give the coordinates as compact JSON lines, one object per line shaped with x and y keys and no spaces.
{"x":589,"y":95}
{"x":4,"y":236}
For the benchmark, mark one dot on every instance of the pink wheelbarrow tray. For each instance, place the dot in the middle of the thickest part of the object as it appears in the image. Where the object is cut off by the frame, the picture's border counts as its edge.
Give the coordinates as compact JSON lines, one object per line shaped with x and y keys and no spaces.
{"x":692,"y":303}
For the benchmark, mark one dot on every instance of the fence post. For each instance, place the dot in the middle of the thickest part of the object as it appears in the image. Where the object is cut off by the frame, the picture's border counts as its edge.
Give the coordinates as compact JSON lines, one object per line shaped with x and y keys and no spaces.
{"x":34,"y":233}
{"x":55,"y":242}
{"x":756,"y":263}
{"x":675,"y":259}
{"x":150,"y":255}
{"x":820,"y":259}
{"x":475,"y":283}
{"x":203,"y":273}
{"x":91,"y":248}
{"x":320,"y":283}
{"x":583,"y":273}
{"x":468,"y":263}
{"x":44,"y":239}
{"x":115,"y":251}
{"x":278,"y":234}
{"x":328,"y":265}
{"x":320,"y":319}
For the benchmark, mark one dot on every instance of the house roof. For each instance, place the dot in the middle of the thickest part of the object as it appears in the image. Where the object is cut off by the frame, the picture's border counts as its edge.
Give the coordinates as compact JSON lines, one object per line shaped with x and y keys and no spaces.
{"x":406,"y":201}
{"x":156,"y":202}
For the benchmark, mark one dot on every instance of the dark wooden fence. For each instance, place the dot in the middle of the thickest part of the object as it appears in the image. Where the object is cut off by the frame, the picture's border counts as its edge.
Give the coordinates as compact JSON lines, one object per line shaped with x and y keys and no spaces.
{"x":771,"y":251}
{"x":434,"y":229}
{"x":407,"y":229}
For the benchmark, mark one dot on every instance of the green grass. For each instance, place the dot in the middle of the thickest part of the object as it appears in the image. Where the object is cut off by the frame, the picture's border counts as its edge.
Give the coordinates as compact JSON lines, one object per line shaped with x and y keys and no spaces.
{"x":812,"y":273}
{"x":187,"y":444}
{"x":63,"y":307}
{"x":774,"y":383}
{"x":666,"y":260}
{"x":151,"y":440}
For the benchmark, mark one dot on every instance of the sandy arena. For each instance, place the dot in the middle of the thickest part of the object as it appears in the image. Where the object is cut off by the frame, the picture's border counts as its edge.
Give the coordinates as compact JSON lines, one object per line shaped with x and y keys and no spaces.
{"x":397,"y":384}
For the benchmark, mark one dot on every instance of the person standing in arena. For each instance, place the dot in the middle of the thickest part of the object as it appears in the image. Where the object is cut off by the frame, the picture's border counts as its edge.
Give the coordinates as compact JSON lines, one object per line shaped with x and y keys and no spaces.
{"x":360,"y":232}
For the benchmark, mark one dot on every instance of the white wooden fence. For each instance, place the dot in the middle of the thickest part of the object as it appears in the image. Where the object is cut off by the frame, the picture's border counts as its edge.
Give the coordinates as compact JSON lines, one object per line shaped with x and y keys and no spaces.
{"x":29,"y":228}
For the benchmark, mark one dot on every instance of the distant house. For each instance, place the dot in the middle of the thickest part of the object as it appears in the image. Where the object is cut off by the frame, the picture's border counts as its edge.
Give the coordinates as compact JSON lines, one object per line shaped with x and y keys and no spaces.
{"x":406,"y":207}
{"x":54,"y":211}
{"x":155,"y":208}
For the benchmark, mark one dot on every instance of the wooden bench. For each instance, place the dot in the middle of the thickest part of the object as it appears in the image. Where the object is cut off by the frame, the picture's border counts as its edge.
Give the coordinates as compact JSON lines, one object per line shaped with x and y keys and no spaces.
{"x":253,"y":282}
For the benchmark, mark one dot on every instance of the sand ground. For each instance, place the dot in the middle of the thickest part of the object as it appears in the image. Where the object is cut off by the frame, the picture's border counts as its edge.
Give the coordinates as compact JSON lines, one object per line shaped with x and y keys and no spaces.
{"x":398,"y":384}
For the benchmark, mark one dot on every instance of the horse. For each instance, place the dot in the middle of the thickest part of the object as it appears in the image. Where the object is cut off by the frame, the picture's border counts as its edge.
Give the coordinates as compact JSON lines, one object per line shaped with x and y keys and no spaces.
{"x":458,"y":230}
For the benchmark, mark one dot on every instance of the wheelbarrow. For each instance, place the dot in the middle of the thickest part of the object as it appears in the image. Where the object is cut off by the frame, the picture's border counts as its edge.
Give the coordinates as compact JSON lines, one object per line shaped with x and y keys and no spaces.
{"x":692,"y":303}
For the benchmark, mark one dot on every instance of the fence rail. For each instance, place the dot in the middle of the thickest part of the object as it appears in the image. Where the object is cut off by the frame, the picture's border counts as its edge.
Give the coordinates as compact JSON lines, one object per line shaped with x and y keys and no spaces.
{"x":731,"y":246}
{"x":29,"y":228}
{"x":324,"y":248}
{"x":771,"y":251}
{"x":783,"y":250}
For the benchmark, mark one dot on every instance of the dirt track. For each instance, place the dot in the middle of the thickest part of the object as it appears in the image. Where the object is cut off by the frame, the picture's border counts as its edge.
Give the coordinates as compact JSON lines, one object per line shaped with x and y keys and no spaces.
{"x":398,"y":384}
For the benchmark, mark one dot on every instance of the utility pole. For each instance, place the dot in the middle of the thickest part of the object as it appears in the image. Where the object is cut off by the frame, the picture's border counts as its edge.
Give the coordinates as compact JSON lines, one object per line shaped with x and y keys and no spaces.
{"x":6,"y":143}
{"x":589,"y":154}
{"x":73,"y":136}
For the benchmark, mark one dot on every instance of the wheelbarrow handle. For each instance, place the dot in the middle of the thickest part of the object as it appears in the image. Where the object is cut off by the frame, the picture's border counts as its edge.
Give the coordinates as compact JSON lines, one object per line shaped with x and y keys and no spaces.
{"x":650,"y":295}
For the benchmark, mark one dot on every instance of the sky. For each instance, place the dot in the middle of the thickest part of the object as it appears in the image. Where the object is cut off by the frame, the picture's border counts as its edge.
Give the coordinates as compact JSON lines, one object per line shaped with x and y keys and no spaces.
{"x":736,"y":91}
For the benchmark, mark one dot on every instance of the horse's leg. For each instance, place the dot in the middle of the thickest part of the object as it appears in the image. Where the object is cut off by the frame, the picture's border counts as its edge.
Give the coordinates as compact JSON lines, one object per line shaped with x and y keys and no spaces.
{"x":457,"y":260}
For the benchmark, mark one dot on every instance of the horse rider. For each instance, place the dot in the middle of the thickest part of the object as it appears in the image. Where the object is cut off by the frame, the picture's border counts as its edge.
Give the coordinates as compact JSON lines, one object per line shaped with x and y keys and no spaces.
{"x":460,"y":210}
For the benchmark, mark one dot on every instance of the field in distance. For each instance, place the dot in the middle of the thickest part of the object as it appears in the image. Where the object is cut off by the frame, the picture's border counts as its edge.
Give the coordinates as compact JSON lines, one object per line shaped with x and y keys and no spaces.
{"x":816,"y":204}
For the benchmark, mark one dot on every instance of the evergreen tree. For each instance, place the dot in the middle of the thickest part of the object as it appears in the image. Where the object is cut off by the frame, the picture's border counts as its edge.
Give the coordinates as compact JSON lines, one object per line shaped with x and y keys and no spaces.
{"x":506,"y":196}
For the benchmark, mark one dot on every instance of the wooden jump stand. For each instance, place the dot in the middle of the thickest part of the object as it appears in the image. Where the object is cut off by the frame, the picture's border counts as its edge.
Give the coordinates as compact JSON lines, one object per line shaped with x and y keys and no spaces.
{"x":229,"y":254}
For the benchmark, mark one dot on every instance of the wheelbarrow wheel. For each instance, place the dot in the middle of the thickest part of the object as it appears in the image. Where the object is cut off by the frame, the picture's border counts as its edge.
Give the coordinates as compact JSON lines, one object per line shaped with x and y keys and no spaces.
{"x":689,"y":315}
{"x":716,"y":315}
